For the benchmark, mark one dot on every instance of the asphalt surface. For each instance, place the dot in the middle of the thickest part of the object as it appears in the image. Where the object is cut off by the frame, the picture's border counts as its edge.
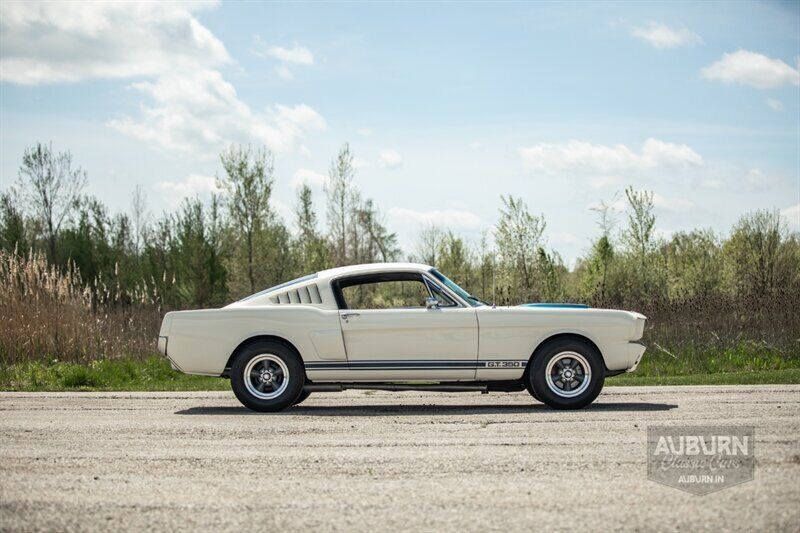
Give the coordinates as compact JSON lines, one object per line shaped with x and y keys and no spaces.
{"x":361,"y":461}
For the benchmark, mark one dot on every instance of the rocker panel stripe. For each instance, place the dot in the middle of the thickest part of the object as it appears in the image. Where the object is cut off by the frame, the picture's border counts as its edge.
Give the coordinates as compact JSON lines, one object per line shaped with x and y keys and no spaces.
{"x":415,"y":365}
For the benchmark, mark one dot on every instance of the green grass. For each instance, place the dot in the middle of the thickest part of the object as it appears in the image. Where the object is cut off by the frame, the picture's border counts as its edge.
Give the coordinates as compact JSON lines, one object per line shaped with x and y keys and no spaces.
{"x":151,"y":374}
{"x":746,"y":363}
{"x":762,"y":377}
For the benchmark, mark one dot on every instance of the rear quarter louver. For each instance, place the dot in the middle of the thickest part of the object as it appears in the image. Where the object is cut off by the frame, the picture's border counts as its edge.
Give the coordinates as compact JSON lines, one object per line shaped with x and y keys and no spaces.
{"x":308,"y":294}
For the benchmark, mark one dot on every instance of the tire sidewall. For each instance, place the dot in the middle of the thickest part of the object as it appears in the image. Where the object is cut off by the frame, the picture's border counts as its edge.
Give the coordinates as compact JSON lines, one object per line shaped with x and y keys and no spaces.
{"x":300,"y":399}
{"x":291,"y":359}
{"x":538,"y":381}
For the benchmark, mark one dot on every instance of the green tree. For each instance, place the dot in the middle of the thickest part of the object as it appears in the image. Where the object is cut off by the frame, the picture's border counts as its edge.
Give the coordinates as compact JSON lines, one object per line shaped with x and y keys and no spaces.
{"x":50,"y":187}
{"x":200,"y":270}
{"x":596,"y":267}
{"x":760,"y":254}
{"x":695,"y":265}
{"x":343,"y":201}
{"x":248,"y":187}
{"x":312,"y":246}
{"x":428,"y":242}
{"x":643,"y":270}
{"x":372,"y":241}
{"x":518,"y":234}
{"x":12,"y":225}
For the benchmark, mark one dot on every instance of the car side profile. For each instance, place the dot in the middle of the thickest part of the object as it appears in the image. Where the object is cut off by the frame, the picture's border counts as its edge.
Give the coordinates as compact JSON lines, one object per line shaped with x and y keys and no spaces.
{"x":393,"y":326}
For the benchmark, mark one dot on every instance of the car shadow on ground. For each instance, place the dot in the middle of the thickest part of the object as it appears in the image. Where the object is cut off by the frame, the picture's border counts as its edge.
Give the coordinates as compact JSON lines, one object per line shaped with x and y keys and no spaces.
{"x":424,"y":410}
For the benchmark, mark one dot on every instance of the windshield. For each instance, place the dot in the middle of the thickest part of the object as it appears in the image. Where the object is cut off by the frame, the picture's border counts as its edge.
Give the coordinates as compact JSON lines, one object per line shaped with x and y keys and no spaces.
{"x":276,"y":287}
{"x":450,"y":284}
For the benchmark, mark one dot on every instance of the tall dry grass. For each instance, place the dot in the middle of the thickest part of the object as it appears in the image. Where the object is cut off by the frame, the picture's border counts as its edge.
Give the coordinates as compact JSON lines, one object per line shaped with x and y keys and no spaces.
{"x":48,"y":313}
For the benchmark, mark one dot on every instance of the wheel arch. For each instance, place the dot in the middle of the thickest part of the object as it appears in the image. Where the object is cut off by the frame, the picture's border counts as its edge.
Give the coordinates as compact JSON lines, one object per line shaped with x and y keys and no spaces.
{"x":258,"y":338}
{"x":557,"y":337}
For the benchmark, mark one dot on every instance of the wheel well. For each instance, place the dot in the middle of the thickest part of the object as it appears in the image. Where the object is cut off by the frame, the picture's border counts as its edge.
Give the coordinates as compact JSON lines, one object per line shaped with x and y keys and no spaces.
{"x":257,"y":338}
{"x":557,"y":337}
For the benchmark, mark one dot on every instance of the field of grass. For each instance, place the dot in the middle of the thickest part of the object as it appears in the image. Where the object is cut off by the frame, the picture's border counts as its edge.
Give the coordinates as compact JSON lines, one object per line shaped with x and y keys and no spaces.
{"x":746,"y":363}
{"x":150,"y":374}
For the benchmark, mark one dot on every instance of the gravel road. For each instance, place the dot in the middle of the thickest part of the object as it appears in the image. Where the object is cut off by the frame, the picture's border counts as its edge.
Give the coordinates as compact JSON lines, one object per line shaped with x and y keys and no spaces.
{"x":369,"y":461}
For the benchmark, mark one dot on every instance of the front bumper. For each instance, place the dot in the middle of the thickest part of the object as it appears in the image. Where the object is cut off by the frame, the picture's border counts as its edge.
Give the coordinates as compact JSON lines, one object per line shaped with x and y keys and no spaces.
{"x":635,"y":354}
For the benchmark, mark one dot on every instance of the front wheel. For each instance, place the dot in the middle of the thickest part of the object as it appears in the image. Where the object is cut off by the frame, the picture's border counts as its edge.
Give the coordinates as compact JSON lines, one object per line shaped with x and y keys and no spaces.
{"x":567,"y":374}
{"x":267,"y":376}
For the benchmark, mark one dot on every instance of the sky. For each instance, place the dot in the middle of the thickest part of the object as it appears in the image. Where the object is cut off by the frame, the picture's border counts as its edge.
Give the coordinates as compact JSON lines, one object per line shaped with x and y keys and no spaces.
{"x":447,"y":106}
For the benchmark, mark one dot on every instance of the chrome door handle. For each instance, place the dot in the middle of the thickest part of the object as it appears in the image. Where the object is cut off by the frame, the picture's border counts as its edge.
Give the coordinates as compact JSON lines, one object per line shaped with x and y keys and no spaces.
{"x":346,"y":316}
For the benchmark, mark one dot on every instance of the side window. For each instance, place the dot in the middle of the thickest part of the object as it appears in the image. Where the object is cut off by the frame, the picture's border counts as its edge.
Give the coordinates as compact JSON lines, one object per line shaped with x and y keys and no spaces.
{"x":444,"y":300}
{"x":388,"y":294}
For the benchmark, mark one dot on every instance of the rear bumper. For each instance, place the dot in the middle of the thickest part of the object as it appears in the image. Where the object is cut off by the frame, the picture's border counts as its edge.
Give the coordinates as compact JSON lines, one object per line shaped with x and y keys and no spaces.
{"x":162,"y":345}
{"x":163,"y":342}
{"x":635,"y":353}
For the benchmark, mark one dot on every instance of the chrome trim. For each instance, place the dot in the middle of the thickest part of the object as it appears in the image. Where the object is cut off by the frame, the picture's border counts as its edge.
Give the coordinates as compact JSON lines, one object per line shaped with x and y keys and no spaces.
{"x":425,"y":277}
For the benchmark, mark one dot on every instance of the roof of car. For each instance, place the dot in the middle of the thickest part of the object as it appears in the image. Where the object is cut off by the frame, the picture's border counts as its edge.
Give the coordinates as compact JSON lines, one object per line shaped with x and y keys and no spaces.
{"x":372,"y":267}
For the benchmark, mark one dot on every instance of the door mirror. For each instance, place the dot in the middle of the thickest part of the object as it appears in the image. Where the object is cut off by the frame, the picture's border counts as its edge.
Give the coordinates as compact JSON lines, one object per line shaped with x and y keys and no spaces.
{"x":431,"y":303}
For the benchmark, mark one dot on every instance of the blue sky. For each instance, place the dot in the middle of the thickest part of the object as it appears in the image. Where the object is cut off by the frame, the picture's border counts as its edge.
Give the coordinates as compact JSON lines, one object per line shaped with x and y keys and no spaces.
{"x":447,"y":106}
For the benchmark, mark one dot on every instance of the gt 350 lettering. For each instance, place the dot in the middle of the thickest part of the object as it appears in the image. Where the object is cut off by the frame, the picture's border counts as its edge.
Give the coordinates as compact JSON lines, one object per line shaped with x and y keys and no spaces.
{"x":504,"y":364}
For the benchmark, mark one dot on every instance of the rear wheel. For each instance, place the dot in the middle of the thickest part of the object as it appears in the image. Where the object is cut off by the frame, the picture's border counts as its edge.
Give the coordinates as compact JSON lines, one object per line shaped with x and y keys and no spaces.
{"x":567,"y":374}
{"x":303,"y":395}
{"x":267,"y":376}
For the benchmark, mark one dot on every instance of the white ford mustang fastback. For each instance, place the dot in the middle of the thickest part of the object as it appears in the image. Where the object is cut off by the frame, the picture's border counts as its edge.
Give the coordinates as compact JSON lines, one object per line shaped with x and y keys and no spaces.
{"x":391,"y":326}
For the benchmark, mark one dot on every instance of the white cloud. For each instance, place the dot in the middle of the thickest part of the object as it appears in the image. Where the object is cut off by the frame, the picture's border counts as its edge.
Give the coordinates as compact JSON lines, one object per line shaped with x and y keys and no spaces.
{"x":774,"y":104}
{"x":449,"y":218}
{"x":201,"y":113}
{"x":792,"y":216}
{"x":296,"y":55}
{"x":194,"y":185}
{"x":50,"y":42}
{"x":364,"y":132}
{"x":193,"y":108}
{"x":584,"y":157}
{"x":673,"y":204}
{"x":474,"y":145}
{"x":284,"y":73}
{"x":304,"y":175}
{"x":390,"y":159}
{"x":662,"y":36}
{"x":756,"y":181}
{"x":753,"y":69}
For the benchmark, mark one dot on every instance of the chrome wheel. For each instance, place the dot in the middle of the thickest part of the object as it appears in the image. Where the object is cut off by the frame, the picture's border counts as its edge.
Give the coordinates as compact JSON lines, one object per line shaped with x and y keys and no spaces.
{"x":568,"y":374}
{"x":266,"y":376}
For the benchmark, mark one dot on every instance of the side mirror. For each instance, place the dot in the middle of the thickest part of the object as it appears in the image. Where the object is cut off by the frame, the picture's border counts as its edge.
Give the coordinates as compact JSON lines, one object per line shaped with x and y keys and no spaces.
{"x":431,"y":303}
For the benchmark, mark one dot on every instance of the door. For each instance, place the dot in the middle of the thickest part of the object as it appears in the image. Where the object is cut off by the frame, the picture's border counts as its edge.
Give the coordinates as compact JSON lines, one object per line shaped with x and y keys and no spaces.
{"x":391,"y":333}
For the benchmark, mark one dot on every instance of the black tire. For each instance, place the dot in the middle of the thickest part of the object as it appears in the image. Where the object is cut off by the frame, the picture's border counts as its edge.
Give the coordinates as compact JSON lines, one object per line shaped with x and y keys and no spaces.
{"x":530,"y":390}
{"x":303,"y":395}
{"x":566,"y":389}
{"x":269,"y":359}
